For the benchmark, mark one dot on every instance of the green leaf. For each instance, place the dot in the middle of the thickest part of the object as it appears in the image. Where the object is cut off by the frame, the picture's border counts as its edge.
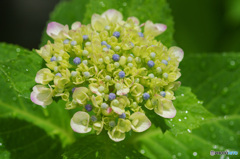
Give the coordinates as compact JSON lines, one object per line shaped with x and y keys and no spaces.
{"x":26,"y":141}
{"x":17,"y":76}
{"x":4,"y":154}
{"x":157,"y":11}
{"x":66,"y":12}
{"x":218,"y":134}
{"x":101,"y":146}
{"x":214,"y":78}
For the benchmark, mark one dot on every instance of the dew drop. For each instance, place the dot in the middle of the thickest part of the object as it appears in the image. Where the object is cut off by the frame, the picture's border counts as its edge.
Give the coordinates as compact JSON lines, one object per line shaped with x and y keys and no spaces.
{"x":127,"y":157}
{"x":3,"y":66}
{"x":215,"y":146}
{"x":194,"y":153}
{"x":182,"y":94}
{"x":186,"y":111}
{"x":189,"y":130}
{"x":27,"y":70}
{"x":173,"y":156}
{"x":18,"y":49}
{"x":142,"y":151}
{"x":0,"y":144}
{"x":124,"y":4}
{"x":179,"y":120}
{"x":225,"y":91}
{"x":170,"y":119}
{"x":179,"y":154}
{"x":202,"y":118}
{"x":185,"y":117}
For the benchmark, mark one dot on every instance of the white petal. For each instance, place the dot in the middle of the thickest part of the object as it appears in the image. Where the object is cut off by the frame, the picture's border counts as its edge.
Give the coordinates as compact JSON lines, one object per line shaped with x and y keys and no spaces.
{"x":139,"y":122}
{"x":176,"y":51}
{"x":76,"y":122}
{"x":116,"y":135}
{"x":154,"y":29}
{"x":76,"y":25}
{"x":135,"y":20}
{"x":41,"y":95}
{"x":54,"y":28}
{"x":94,"y":88}
{"x":123,"y":91}
{"x":98,"y":23}
{"x":166,"y":109}
{"x":113,"y":15}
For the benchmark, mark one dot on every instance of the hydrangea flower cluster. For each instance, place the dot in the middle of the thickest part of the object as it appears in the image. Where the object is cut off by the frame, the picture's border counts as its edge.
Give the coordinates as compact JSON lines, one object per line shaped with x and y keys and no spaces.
{"x":112,"y":70}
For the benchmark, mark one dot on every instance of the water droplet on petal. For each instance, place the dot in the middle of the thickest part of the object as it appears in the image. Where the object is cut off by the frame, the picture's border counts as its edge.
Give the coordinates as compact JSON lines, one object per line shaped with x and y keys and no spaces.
{"x":142,"y":151}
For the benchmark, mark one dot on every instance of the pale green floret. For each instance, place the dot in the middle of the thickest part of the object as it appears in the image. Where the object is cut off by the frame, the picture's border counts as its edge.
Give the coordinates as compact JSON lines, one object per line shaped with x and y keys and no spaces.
{"x":165,"y":75}
{"x":115,"y":102}
{"x":117,"y":48}
{"x":73,"y":73}
{"x":86,"y":74}
{"x":108,"y":78}
{"x":55,"y":68}
{"x":59,"y":58}
{"x":130,"y":65}
{"x":107,"y":27}
{"x":85,"y":62}
{"x":100,"y":60}
{"x":104,"y":106}
{"x":138,"y":59}
{"x":153,"y":55}
{"x":85,"y":52}
{"x":101,"y":88}
{"x":129,"y":59}
{"x":116,"y":64}
{"x":159,"y":70}
{"x":122,"y":60}
{"x":105,"y":49}
{"x":151,"y":75}
{"x":88,"y":43}
{"x":107,"y":59}
{"x":118,"y":86}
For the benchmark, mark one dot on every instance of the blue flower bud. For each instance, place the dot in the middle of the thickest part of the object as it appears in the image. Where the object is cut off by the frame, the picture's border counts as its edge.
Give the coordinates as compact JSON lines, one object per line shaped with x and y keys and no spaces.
{"x":140,"y":34}
{"x":146,"y":96}
{"x":111,"y":96}
{"x":94,"y":118}
{"x":116,"y":34}
{"x":123,"y":116}
{"x":53,"y":58}
{"x":77,"y":60}
{"x":165,"y":62}
{"x":108,"y":46}
{"x":73,"y":43}
{"x":88,"y":107}
{"x":121,"y":74}
{"x":73,"y":89}
{"x":115,"y":57}
{"x":103,"y":43}
{"x":66,"y":41}
{"x":150,"y":63}
{"x":163,"y":93}
{"x":58,"y":74}
{"x":85,"y":37}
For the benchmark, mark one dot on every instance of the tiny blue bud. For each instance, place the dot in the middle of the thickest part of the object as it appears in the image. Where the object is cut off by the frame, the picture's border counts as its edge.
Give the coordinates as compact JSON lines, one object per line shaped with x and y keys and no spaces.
{"x":94,"y":118}
{"x":111,"y":96}
{"x":53,"y":58}
{"x":121,"y":74}
{"x":162,"y":93}
{"x":85,"y":37}
{"x":116,"y":34}
{"x":58,"y":74}
{"x":115,"y":57}
{"x":146,"y":96}
{"x":73,"y":89}
{"x":112,"y":123}
{"x":165,"y":62}
{"x":103,"y":43}
{"x":77,"y":60}
{"x":140,"y":34}
{"x":88,"y":107}
{"x":73,"y":43}
{"x":123,"y":116}
{"x":108,"y":46}
{"x":66,"y":41}
{"x":150,"y":63}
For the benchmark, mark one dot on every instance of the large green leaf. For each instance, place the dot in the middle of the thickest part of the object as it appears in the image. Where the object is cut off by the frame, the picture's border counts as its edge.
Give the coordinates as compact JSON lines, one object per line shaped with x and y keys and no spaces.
{"x":23,"y":140}
{"x":66,"y":12}
{"x":214,"y":78}
{"x":101,"y":146}
{"x":157,"y":11}
{"x":218,"y":134}
{"x":17,"y":76}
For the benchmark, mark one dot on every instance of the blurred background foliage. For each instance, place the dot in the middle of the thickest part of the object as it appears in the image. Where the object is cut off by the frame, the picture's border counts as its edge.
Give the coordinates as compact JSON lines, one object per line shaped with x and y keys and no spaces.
{"x":200,"y":26}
